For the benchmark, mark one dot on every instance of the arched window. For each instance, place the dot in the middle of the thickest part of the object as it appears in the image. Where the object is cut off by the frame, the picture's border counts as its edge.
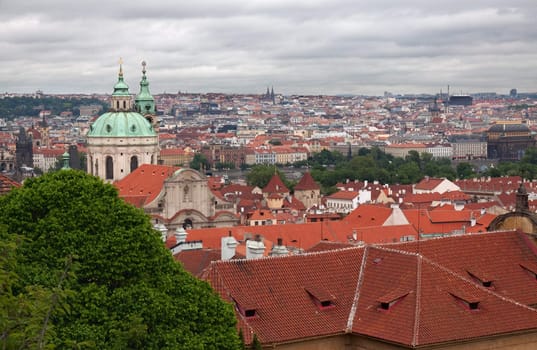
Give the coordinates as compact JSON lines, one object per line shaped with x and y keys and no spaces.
{"x":124,"y":104}
{"x":96,"y":167}
{"x":109,"y":168}
{"x":117,"y":104}
{"x":134,"y":163}
{"x":152,"y":159}
{"x":188,"y":224}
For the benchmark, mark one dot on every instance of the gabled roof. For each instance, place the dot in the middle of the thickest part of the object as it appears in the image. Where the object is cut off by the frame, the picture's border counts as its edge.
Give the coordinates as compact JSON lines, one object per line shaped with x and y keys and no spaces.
{"x":307,"y":183}
{"x":428,"y":183}
{"x":275,"y":185}
{"x":146,"y":181}
{"x":368,"y":215}
{"x":344,"y":195}
{"x":391,"y":292}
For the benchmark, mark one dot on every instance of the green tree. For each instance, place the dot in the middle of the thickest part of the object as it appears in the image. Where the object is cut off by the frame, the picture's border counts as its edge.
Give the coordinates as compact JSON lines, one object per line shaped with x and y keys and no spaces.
{"x":465,"y":170}
{"x":256,"y":344}
{"x":110,"y":283}
{"x":261,"y":174}
{"x":199,"y":162}
{"x":530,"y":156}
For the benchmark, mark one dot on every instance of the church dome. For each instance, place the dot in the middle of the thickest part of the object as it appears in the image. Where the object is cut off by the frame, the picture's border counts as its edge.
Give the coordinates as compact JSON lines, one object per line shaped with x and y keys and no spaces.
{"x":121,"y":124}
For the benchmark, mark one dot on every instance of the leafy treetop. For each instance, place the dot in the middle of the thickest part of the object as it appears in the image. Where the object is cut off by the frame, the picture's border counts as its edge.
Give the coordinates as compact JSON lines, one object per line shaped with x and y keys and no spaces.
{"x":112,"y":283}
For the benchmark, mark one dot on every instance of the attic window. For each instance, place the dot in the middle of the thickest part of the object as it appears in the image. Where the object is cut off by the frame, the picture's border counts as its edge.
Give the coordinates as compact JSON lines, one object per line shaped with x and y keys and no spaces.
{"x":321,"y":297}
{"x":389,"y":300}
{"x":246,"y":309}
{"x":531,"y":268}
{"x":481,"y":277}
{"x":467,"y":300}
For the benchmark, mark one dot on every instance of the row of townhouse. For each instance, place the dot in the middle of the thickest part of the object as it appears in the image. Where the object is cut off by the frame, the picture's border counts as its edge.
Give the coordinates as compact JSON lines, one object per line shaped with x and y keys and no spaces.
{"x":455,"y":150}
{"x":276,"y":155}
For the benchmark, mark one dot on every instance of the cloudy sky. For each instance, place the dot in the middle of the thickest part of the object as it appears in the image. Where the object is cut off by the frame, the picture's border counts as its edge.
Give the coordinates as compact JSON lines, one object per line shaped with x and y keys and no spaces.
{"x":243,"y":46}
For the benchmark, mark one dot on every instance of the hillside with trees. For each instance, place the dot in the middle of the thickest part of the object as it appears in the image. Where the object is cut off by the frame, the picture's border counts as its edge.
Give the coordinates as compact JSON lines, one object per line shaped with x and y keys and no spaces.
{"x":13,"y":107}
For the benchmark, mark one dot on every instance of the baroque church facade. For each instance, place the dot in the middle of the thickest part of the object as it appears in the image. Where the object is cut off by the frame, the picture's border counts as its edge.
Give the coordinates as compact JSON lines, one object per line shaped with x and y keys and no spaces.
{"x":124,"y":137}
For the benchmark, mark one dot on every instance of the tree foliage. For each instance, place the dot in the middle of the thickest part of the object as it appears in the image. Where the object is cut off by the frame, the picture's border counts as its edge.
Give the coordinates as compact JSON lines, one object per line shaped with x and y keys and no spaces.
{"x":199,"y":162}
{"x":260,"y":175}
{"x":103,"y":273}
{"x":13,"y":107}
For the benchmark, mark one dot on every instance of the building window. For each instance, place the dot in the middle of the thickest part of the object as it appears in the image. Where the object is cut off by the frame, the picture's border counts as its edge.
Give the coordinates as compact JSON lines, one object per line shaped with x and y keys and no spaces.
{"x":134,"y":163}
{"x":109,"y":168}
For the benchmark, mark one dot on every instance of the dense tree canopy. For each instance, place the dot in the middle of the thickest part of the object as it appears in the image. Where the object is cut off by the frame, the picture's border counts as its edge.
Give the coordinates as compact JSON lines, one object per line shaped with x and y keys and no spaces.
{"x":102,"y":272}
{"x":261,"y":174}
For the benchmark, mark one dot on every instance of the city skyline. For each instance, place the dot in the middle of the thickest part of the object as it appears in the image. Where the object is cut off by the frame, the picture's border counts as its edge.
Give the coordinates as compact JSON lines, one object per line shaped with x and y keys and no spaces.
{"x":300,"y":47}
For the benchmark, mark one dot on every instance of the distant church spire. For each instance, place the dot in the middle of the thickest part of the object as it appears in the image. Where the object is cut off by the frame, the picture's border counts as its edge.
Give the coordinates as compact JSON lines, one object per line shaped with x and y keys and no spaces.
{"x":121,"y":97}
{"x":144,"y":102}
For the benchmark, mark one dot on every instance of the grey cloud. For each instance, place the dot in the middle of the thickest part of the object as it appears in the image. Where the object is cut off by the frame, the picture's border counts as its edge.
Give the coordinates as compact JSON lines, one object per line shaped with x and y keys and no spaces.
{"x":315,"y":46}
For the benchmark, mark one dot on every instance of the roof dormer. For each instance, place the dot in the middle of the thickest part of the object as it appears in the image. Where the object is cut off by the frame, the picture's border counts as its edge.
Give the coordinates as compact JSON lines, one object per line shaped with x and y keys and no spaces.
{"x":389,"y":300}
{"x":321,"y":297}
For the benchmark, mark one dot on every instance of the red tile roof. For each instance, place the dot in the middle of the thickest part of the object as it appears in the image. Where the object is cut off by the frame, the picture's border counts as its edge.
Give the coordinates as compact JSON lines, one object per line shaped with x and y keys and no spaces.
{"x":429,"y":291}
{"x":6,"y":184}
{"x":428,"y":183}
{"x":344,"y":195}
{"x":144,"y":184}
{"x":306,"y":183}
{"x":275,"y":185}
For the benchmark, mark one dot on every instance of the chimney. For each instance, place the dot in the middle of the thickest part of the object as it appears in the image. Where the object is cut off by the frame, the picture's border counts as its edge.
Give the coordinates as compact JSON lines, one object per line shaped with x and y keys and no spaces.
{"x":255,"y":248}
{"x":472,"y":220}
{"x":483,"y":211}
{"x":279,"y":249}
{"x":180,"y":235}
{"x":229,"y":244}
{"x":163,"y":231}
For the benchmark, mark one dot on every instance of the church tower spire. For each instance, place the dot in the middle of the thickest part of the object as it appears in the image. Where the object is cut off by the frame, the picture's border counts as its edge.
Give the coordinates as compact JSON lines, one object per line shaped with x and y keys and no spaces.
{"x":145,"y":103}
{"x":121,"y":98}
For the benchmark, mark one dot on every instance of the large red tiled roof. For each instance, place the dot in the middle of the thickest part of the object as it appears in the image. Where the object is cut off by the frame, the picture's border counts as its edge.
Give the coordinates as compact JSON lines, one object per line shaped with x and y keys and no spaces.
{"x":427,"y":287}
{"x":146,"y":181}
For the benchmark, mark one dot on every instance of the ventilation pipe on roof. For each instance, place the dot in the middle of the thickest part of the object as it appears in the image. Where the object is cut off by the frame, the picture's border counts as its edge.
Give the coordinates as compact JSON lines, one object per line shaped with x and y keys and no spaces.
{"x":229,"y":244}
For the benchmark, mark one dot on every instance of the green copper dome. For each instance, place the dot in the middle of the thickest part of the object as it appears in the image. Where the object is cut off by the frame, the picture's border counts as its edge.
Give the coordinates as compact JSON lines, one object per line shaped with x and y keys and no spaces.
{"x":121,"y":124}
